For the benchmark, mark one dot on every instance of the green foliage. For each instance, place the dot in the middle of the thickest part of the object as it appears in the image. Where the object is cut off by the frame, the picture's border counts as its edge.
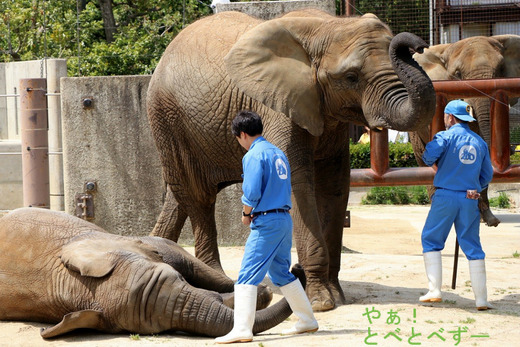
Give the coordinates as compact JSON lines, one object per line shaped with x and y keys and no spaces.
{"x":399,"y":195}
{"x":515,"y":158}
{"x":501,"y":201}
{"x":32,"y":30}
{"x":400,"y":155}
{"x":359,"y":155}
{"x":514,"y":135}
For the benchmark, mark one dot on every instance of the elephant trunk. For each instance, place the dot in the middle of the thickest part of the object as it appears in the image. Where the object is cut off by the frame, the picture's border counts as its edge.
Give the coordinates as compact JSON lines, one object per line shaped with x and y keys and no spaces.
{"x":203,"y":313}
{"x":412,"y":107}
{"x":217,"y":319}
{"x":481,"y":108}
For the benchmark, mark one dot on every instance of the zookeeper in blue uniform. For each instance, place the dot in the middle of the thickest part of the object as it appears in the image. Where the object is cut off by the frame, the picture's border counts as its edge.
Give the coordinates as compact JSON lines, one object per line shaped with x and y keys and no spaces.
{"x":463,"y":170}
{"x":267,"y":201}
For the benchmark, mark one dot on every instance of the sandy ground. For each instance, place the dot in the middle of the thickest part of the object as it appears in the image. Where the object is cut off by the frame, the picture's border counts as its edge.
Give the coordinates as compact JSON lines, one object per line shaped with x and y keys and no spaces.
{"x":383,"y":277}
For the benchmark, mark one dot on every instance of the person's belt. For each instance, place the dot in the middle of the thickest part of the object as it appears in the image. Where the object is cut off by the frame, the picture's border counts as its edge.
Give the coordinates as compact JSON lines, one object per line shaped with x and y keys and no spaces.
{"x":269,"y":211}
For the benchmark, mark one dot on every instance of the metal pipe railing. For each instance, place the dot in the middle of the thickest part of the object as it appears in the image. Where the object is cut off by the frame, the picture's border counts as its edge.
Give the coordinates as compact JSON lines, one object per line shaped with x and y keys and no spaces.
{"x":498,"y":90}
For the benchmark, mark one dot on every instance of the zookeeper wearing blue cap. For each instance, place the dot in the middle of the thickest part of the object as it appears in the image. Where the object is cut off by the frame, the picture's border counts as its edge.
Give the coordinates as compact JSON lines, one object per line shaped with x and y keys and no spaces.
{"x":266,"y":200}
{"x":464,"y":169}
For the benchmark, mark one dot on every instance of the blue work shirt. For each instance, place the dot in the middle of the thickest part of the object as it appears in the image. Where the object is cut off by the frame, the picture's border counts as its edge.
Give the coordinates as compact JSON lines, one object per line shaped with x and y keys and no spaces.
{"x":267,"y":177}
{"x":462,"y":158}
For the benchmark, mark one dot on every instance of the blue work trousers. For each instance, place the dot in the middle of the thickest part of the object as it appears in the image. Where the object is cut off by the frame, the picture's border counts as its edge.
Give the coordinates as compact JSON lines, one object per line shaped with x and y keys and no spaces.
{"x":268,"y":250}
{"x":452,"y":207}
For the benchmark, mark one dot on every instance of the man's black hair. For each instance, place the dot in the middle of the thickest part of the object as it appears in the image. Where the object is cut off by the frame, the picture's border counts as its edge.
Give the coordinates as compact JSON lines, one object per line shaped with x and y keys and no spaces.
{"x":248,"y":122}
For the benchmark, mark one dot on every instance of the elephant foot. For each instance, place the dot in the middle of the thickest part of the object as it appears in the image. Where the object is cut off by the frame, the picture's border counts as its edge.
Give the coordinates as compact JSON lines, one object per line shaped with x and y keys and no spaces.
{"x":489,"y":218}
{"x":337,"y":292}
{"x":320,"y":296}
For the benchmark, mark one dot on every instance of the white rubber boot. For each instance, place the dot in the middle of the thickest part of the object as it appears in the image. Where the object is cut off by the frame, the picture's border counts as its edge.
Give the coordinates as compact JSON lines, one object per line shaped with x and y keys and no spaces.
{"x":477,"y":274}
{"x":301,"y":307}
{"x":433,"y":265}
{"x":244,"y":315}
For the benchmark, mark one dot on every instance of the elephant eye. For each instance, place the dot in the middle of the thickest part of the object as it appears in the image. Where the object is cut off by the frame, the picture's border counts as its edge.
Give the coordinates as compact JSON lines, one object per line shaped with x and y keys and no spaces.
{"x":351,"y":77}
{"x":345,"y":79}
{"x":457,"y":74}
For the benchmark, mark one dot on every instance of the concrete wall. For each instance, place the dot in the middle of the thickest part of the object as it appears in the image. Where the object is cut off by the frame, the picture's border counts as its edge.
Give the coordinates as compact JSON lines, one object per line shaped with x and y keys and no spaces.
{"x":110,"y":144}
{"x":271,"y":9}
{"x":11,"y":194}
{"x":11,"y":189}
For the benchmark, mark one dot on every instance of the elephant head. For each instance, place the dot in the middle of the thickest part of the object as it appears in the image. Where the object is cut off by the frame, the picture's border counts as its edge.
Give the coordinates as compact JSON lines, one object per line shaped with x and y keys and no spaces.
{"x":476,"y":57}
{"x":57,"y":268}
{"x":315,"y":67}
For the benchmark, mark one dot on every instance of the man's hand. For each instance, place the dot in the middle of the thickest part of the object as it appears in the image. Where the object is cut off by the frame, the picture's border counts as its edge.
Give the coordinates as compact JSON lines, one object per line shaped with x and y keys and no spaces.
{"x":246,"y":214}
{"x":246,"y":220}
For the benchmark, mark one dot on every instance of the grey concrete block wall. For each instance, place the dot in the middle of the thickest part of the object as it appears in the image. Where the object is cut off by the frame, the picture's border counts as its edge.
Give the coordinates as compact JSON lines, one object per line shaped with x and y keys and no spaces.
{"x":110,"y":143}
{"x":11,"y":189}
{"x":271,"y":9}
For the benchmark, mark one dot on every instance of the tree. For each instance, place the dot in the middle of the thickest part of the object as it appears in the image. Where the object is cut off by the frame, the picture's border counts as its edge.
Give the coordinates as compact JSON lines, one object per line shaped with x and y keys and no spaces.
{"x":109,"y":21}
{"x":97,"y":37}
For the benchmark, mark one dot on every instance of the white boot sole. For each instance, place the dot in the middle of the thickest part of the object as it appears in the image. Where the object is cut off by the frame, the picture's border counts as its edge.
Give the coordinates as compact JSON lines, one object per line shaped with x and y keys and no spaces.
{"x":233,"y":341}
{"x":296,"y":332}
{"x":431,"y":300}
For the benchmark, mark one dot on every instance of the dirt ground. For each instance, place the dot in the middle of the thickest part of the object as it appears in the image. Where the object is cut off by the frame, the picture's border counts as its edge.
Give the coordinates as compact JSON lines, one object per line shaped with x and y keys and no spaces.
{"x":382,"y":274}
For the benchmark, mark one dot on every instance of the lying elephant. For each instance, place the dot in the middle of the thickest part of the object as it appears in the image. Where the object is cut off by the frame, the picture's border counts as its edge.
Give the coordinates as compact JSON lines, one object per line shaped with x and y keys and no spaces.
{"x":308,"y":74}
{"x":56,"y":268}
{"x":477,"y":57}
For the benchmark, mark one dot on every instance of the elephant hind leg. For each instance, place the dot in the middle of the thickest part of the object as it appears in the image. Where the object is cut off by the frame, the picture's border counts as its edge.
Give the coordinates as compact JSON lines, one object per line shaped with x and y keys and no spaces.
{"x":205,"y":233}
{"x":171,"y":220}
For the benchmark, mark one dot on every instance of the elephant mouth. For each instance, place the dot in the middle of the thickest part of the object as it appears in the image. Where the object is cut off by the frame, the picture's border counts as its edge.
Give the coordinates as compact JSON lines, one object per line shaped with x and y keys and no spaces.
{"x":350,"y":114}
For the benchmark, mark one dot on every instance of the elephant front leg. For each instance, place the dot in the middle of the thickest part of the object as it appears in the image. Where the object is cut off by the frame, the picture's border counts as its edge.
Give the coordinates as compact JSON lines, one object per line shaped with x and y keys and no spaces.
{"x":332,"y":189}
{"x":485,"y":212}
{"x":311,"y":247}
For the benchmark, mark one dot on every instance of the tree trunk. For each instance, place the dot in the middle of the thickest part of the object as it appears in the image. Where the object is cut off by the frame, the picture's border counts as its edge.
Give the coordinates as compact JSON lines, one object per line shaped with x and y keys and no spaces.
{"x":108,"y":19}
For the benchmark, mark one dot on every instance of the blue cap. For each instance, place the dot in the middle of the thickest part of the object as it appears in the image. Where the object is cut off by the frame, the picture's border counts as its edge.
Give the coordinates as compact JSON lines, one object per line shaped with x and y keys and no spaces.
{"x":459,"y":109}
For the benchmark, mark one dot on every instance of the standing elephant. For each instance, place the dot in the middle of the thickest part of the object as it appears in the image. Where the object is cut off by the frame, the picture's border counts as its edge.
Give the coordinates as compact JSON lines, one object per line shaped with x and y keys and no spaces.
{"x":476,"y":57}
{"x":307,"y":74}
{"x":56,"y":268}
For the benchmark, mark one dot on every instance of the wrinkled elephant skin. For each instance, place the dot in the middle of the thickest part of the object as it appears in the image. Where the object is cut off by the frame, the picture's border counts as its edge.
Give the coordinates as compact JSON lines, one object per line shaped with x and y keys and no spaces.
{"x":307,"y":74}
{"x":476,"y":57}
{"x":56,"y":268}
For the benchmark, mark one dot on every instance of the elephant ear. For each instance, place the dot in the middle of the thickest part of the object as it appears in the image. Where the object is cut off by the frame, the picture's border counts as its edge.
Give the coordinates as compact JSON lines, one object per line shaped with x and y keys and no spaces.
{"x":433,"y":63}
{"x":98,"y":257}
{"x":511,"y":54}
{"x":87,"y":319}
{"x":270,"y":64}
